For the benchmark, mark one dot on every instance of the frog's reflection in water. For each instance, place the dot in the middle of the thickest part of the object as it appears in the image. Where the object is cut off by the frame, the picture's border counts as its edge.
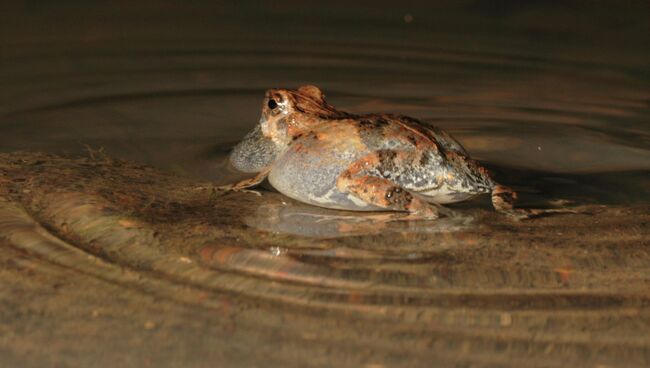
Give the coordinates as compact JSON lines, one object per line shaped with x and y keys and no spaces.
{"x":278,"y":214}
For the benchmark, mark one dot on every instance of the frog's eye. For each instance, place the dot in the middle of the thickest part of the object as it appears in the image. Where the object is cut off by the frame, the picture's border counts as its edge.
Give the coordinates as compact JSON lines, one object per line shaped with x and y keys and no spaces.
{"x":272,"y":104}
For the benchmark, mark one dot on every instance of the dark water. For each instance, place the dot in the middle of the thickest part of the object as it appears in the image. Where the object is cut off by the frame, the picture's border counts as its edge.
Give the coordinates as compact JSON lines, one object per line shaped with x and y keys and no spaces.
{"x":560,"y":89}
{"x":553,"y":96}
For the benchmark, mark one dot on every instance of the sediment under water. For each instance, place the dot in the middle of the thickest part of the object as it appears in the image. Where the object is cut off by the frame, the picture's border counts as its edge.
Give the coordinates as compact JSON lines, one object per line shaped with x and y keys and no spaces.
{"x":478,"y":289}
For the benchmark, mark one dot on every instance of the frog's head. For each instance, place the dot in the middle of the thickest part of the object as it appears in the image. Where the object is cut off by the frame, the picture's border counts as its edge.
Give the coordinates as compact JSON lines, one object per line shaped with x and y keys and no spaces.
{"x":286,"y":113}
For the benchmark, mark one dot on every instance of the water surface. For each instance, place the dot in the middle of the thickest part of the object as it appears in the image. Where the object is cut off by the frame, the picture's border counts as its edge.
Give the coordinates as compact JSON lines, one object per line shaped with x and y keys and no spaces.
{"x":108,"y":258}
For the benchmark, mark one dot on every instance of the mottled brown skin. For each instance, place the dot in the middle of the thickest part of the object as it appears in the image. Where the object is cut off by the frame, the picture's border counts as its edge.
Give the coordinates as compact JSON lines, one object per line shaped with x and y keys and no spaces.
{"x":316,"y":154}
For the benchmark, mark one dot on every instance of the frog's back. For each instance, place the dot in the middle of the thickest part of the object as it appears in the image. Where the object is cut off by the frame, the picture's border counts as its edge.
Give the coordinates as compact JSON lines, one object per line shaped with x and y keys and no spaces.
{"x":439,"y":137}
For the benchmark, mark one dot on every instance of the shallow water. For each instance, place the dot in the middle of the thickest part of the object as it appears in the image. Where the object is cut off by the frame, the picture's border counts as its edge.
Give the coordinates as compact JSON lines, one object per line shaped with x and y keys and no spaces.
{"x":553,"y":98}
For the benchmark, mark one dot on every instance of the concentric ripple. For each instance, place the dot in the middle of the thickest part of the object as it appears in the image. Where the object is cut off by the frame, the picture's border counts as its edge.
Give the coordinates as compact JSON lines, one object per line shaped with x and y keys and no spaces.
{"x":178,"y":107}
{"x":140,"y":260}
{"x":494,"y":288}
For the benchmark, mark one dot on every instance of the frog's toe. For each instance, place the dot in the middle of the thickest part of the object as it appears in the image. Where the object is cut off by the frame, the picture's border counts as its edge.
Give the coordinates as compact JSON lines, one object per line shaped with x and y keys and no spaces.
{"x":503,"y":200}
{"x":427,"y":212}
{"x":251,"y":191}
{"x":234,"y":188}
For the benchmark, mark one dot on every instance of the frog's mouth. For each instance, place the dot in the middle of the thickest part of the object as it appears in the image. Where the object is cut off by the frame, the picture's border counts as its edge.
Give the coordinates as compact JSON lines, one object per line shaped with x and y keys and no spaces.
{"x":254,"y":153}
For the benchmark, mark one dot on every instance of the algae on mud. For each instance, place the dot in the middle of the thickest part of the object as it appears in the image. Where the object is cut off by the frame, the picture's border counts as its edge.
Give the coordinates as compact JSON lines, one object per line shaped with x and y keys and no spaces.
{"x":107,"y":262}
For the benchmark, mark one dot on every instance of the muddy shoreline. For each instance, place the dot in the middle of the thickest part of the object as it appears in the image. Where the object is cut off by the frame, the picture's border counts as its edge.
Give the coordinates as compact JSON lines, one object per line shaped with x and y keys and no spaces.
{"x":107,"y":262}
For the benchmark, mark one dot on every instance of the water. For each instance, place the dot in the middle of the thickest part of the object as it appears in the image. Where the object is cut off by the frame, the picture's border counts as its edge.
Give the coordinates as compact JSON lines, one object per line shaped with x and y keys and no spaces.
{"x":515,"y":90}
{"x":553,"y":98}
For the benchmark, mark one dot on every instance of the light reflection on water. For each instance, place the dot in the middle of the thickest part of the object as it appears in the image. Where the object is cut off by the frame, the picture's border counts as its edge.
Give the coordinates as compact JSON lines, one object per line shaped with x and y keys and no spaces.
{"x":545,"y":105}
{"x":282,"y":215}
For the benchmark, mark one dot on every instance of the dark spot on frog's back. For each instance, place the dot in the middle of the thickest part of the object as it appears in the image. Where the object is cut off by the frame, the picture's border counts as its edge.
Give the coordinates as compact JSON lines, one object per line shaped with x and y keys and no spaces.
{"x":372,"y":130}
{"x":365,"y":124}
{"x":386,"y":156}
{"x":411,"y":138}
{"x":373,"y":122}
{"x":311,"y":135}
{"x":387,"y":165}
{"x":424,"y":159}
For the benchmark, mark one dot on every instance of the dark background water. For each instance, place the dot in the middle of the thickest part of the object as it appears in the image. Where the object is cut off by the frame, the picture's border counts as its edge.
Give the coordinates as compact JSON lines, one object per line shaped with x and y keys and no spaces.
{"x":557,"y":87}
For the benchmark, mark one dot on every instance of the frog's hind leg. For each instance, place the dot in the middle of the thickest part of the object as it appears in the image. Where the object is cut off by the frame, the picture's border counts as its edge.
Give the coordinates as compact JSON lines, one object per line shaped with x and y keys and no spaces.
{"x":504,"y":198}
{"x":382,"y":192}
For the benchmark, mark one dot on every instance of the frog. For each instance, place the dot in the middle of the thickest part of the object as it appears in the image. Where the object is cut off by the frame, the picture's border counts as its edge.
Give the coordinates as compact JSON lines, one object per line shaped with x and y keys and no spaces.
{"x":314,"y":153}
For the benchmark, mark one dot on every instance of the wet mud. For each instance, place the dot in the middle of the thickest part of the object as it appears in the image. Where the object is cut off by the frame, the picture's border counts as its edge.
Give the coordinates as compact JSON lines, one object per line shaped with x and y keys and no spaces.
{"x":105,"y":262}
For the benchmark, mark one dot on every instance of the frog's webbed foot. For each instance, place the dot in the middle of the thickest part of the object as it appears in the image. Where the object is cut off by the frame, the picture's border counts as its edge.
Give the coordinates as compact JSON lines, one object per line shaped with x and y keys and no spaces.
{"x":384,"y":193}
{"x":242,"y":186}
{"x":504,"y":198}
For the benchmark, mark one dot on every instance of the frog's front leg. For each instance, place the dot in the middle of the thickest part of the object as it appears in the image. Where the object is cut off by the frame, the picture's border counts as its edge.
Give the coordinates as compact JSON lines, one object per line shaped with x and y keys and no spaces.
{"x":504,"y":198}
{"x":381,"y":192}
{"x":241,"y":186}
